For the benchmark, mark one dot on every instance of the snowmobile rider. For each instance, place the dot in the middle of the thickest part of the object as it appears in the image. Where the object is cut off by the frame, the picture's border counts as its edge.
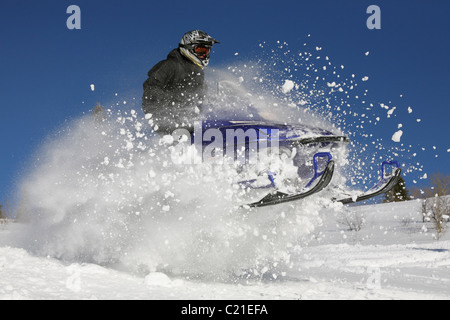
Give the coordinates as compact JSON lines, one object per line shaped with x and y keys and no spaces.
{"x":175,"y":88}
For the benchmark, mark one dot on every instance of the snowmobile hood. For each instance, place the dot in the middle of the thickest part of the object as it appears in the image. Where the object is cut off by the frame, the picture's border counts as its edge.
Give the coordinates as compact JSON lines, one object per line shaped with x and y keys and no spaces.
{"x":287,"y":131}
{"x":285,"y":134}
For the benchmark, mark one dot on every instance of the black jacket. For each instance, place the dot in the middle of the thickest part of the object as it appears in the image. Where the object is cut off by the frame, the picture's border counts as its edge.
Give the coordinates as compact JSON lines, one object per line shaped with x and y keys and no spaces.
{"x":173,"y":92}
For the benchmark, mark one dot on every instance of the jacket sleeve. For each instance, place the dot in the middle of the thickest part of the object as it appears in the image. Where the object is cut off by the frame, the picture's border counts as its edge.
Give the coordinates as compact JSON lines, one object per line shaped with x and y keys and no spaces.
{"x":156,"y":87}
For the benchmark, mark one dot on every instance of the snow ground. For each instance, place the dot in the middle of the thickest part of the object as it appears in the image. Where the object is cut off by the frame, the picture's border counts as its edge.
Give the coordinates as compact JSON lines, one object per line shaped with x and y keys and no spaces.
{"x":391,"y":257}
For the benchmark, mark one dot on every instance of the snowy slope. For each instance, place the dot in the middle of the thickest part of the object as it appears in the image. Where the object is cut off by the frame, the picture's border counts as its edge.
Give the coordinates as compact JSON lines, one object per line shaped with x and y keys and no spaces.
{"x":391,"y":257}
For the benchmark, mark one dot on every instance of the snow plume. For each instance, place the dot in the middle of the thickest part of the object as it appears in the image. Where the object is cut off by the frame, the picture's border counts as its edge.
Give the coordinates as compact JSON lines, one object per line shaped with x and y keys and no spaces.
{"x":302,"y":83}
{"x":250,"y":90}
{"x":107,"y":193}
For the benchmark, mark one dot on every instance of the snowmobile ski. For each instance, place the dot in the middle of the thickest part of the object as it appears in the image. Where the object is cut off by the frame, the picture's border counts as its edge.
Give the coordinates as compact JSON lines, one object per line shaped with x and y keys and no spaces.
{"x":281,"y":197}
{"x":385,"y":184}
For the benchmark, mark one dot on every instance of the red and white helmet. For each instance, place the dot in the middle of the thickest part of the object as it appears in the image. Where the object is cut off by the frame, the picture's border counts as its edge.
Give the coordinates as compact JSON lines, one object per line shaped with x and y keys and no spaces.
{"x":196,"y":45}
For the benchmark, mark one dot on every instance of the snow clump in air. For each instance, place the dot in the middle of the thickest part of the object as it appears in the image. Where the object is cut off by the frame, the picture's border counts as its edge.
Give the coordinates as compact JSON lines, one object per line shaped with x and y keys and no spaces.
{"x":287,"y":86}
{"x":397,"y":136}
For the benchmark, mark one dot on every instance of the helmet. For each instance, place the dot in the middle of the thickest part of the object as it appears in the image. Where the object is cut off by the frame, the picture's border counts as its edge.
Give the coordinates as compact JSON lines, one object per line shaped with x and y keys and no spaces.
{"x":196,"y":46}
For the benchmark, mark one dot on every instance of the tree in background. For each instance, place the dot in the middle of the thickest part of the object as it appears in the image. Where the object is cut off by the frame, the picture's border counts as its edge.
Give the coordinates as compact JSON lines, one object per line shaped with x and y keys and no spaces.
{"x":2,"y":215}
{"x":99,"y":112}
{"x":436,"y":204}
{"x":439,"y":186}
{"x":397,"y":193}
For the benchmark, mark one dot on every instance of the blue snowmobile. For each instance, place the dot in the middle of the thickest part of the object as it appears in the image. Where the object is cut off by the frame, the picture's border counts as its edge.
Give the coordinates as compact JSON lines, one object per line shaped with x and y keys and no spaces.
{"x":307,"y":150}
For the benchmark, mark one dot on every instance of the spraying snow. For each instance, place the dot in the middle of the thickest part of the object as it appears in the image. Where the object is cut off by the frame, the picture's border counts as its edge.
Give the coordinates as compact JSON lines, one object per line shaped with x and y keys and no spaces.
{"x":108,"y":192}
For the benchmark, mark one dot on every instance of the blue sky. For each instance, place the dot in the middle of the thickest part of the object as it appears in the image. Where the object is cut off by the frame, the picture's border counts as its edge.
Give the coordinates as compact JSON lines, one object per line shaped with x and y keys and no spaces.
{"x":46,"y":69}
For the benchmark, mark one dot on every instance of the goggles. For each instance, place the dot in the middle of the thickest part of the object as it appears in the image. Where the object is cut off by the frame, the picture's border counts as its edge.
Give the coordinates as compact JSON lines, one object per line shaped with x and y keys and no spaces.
{"x":201,"y":50}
